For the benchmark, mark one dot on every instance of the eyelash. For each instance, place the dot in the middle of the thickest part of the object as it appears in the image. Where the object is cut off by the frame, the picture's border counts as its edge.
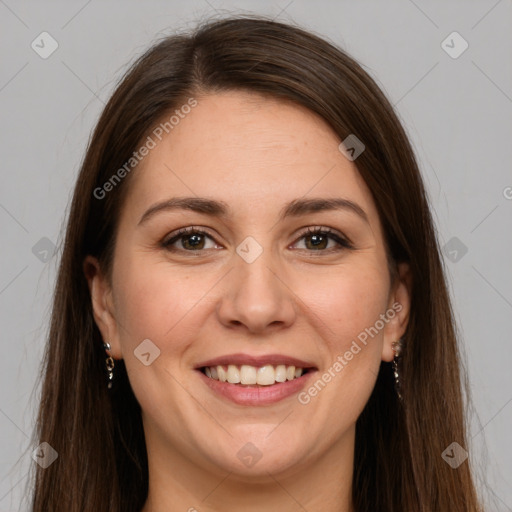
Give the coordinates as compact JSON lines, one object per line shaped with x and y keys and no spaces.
{"x":342,"y":242}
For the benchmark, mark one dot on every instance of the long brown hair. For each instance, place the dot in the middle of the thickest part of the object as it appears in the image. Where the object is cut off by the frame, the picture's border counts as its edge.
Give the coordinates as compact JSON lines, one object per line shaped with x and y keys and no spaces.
{"x":98,"y":434}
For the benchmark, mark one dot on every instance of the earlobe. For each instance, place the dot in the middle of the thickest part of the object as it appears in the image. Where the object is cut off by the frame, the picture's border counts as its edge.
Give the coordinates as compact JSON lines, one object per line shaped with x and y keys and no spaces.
{"x":102,"y":304}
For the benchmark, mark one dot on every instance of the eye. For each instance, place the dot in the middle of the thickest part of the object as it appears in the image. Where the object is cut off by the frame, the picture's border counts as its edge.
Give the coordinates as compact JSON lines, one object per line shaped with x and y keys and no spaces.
{"x":191,"y":239}
{"x":320,"y":237}
{"x":194,"y":239}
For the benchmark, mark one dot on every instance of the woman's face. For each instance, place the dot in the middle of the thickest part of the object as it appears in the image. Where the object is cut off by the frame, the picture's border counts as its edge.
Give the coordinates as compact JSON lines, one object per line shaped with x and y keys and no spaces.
{"x":257,"y":285}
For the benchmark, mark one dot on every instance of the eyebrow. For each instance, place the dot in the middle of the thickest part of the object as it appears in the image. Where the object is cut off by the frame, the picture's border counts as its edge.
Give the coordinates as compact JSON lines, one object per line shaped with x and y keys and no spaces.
{"x":220,"y":209}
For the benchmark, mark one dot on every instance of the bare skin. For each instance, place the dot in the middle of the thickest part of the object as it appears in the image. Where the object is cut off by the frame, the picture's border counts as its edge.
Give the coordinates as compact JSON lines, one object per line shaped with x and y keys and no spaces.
{"x":298,"y":298}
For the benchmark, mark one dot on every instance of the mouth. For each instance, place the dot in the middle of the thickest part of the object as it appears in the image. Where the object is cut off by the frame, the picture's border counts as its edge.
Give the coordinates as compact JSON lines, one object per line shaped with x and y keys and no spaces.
{"x":253,"y":376}
{"x":255,"y":386}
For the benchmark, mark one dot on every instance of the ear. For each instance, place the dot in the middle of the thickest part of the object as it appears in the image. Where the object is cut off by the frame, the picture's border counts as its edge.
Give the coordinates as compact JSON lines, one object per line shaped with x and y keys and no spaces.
{"x":102,"y":305}
{"x":399,"y":306}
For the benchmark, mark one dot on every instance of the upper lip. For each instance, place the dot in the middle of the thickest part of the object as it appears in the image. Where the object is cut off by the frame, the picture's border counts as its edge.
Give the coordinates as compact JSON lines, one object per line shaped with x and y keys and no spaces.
{"x":258,"y":361}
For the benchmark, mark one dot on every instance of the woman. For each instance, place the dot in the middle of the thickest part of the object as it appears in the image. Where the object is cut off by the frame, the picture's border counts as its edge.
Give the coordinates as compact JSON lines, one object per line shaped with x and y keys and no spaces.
{"x":251,"y":310}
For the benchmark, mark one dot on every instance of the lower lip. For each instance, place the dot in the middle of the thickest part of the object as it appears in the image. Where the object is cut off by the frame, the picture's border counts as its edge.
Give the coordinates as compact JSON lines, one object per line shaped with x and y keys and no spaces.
{"x":262,"y":395}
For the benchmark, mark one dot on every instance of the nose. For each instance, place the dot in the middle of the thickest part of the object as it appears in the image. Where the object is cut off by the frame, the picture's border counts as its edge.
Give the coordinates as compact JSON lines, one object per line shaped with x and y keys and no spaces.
{"x":256,"y":296}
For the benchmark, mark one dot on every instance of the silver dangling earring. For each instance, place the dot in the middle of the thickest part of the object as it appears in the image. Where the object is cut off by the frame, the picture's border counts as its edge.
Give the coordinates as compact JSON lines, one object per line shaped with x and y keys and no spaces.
{"x":109,"y":363}
{"x":397,"y":348}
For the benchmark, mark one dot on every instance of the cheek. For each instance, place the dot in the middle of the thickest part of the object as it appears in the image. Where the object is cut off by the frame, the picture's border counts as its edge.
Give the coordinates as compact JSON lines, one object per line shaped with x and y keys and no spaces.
{"x":150,"y":302}
{"x":348,"y":301}
{"x":153,"y":303}
{"x":162,"y":302}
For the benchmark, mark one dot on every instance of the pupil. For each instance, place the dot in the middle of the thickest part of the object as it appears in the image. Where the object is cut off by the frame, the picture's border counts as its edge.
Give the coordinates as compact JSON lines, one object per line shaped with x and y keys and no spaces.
{"x":317,"y":240}
{"x":196,"y":238}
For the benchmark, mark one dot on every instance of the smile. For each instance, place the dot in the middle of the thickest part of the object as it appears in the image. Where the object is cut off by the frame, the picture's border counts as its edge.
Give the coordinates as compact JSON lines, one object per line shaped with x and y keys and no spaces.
{"x":251,"y":375}
{"x":252,"y":386}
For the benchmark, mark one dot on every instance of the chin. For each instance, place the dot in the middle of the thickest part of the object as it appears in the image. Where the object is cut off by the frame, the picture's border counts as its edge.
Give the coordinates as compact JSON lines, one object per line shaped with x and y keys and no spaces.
{"x":255,"y":456}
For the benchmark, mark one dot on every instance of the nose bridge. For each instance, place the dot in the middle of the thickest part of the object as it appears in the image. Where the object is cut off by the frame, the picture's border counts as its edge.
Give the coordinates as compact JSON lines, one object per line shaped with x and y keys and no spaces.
{"x":257,"y":296}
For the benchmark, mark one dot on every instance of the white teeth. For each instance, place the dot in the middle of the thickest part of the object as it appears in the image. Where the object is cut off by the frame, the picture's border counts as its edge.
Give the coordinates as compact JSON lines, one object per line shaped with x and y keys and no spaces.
{"x":223,"y":375}
{"x":250,"y":375}
{"x":281,"y":373}
{"x":233,"y":374}
{"x":266,"y":376}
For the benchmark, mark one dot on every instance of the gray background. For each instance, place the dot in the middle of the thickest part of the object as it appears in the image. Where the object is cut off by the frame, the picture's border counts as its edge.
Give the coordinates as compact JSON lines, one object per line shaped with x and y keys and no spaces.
{"x":457,"y":112}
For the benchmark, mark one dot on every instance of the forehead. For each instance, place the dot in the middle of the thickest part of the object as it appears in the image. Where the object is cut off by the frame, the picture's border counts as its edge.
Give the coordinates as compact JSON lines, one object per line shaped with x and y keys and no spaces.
{"x":247,"y":150}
